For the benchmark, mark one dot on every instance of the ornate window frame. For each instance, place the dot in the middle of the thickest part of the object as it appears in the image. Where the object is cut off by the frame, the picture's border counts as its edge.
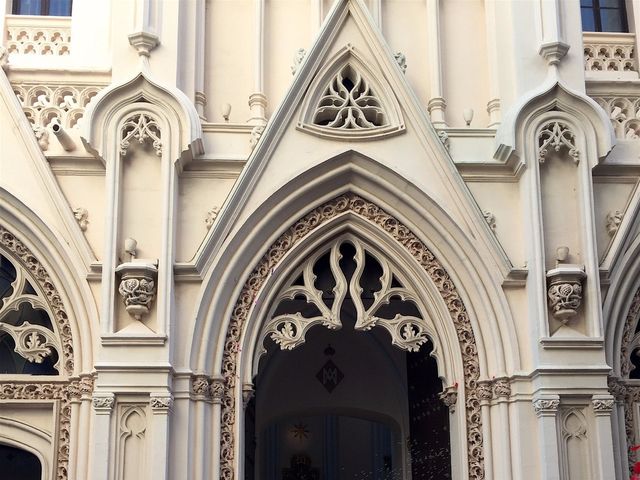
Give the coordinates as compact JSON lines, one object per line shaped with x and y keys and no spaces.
{"x":233,"y":360}
{"x":347,"y":57}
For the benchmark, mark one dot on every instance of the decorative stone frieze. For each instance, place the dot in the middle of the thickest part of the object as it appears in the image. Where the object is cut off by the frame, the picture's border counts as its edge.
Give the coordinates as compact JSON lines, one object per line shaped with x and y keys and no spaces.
{"x":104,"y":402}
{"x":555,"y":136}
{"x":546,"y":406}
{"x":624,"y":113}
{"x":602,"y":406}
{"x":141,"y":127}
{"x":427,"y":260}
{"x":137,"y":286}
{"x":160,"y":402}
{"x":449,"y":396}
{"x":45,"y":104}
{"x":609,"y":53}
{"x":39,"y":35}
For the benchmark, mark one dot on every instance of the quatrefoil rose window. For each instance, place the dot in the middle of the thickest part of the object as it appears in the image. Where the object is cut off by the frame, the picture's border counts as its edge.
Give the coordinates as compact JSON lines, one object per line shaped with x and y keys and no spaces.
{"x":28,"y":341}
{"x":349,"y":280}
{"x":349,"y":101}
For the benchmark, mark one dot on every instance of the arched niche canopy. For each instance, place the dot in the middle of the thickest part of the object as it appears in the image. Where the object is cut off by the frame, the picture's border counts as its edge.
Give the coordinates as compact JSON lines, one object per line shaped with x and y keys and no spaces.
{"x":511,"y":138}
{"x":184,"y":139}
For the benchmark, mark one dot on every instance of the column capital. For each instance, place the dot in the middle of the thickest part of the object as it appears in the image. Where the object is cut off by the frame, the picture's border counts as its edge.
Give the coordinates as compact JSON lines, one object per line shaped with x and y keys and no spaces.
{"x":160,"y":402}
{"x":103,"y":402}
{"x":602,"y":404}
{"x":546,"y":405}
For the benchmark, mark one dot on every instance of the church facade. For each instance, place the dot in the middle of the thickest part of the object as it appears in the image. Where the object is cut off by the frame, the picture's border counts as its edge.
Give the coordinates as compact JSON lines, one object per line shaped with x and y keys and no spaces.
{"x":319,"y":239}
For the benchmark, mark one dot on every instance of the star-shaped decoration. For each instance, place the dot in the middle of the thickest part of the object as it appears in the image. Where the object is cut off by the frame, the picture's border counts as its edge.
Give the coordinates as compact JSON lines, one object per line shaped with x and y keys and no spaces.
{"x":300,"y":431}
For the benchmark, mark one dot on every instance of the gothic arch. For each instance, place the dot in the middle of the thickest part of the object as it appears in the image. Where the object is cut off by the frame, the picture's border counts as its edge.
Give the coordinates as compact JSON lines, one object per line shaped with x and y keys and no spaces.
{"x":25,"y":437}
{"x":232,"y":354}
{"x":22,"y":237}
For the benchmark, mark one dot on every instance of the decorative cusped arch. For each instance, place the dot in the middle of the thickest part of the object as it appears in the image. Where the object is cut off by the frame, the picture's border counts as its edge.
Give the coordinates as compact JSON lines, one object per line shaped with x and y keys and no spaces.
{"x":184,"y":135}
{"x":232,"y":355}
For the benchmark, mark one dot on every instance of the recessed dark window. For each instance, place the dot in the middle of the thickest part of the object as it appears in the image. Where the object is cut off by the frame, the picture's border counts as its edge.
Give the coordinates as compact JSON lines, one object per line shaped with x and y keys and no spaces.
{"x":604,"y":16}
{"x":61,"y":8}
{"x":18,"y":463}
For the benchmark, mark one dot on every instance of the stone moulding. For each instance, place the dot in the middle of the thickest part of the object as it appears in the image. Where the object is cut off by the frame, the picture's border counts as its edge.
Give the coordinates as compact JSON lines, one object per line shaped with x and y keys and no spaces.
{"x":38,"y":35}
{"x":63,"y":390}
{"x":433,"y":268}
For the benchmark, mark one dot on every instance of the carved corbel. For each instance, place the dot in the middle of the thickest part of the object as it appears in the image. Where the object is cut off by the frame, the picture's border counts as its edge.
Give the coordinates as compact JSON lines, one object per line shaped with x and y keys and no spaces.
{"x":564,"y":287}
{"x":449,"y":397}
{"x":137,"y":285}
{"x":248,"y":392}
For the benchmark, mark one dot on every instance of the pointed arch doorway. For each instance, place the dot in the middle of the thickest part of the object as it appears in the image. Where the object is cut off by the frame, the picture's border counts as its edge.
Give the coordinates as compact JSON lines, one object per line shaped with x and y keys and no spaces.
{"x":453,"y":337}
{"x":358,"y":399}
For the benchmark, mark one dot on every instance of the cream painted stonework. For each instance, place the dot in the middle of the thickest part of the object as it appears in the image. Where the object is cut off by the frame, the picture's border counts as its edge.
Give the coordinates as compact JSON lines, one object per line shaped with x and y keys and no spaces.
{"x":192,"y":190}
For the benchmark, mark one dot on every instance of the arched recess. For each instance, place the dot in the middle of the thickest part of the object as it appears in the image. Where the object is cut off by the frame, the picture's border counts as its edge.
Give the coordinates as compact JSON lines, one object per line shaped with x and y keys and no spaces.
{"x":26,"y":240}
{"x":234,"y":355}
{"x":33,"y":440}
{"x":511,"y":137}
{"x":621,"y":312}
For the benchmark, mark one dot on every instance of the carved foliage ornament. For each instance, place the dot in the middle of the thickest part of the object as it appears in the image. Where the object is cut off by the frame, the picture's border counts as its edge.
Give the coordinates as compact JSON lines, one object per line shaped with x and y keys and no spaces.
{"x":349,"y":103}
{"x":141,"y":127}
{"x":555,"y":136}
{"x":433,"y":268}
{"x":288,"y":330}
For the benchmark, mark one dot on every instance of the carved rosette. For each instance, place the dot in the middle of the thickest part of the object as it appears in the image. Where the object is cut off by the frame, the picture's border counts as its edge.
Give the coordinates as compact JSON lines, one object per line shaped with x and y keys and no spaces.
{"x":565,"y":291}
{"x":546,"y":406}
{"x":449,"y":396}
{"x":434,"y":269}
{"x":137,"y":286}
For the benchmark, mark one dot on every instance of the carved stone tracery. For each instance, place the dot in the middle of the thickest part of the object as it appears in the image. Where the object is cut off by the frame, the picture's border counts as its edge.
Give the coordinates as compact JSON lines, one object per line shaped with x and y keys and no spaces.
{"x":555,"y":136}
{"x":349,"y":103}
{"x":434,"y":269}
{"x":141,"y":127}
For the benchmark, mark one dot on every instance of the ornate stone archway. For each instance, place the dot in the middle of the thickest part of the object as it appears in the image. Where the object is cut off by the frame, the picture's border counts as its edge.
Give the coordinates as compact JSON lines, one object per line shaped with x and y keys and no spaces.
{"x":432,"y":267}
{"x":62,"y":389}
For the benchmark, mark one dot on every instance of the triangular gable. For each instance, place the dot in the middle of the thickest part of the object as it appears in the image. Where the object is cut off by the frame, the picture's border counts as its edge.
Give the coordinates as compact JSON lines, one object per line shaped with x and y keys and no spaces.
{"x":414,"y":151}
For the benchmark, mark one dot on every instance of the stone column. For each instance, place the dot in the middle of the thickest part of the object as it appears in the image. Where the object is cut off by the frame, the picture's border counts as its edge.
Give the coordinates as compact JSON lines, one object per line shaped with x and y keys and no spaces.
{"x":485,"y":394}
{"x":436,"y":105}
{"x":103,"y":403}
{"x":602,"y":407}
{"x":161,"y":404}
{"x":502,"y":392}
{"x":546,"y":407}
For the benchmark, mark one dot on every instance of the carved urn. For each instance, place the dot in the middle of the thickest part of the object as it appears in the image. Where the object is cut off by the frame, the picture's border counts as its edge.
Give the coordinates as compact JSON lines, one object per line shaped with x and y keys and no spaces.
{"x":137,"y":285}
{"x":564,"y":290}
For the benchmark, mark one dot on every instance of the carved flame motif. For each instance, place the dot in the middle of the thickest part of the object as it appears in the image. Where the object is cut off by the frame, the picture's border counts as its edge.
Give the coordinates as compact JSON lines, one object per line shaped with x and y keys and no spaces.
{"x":289,"y":329}
{"x":140,"y":127}
{"x":349,"y":103}
{"x":32,"y":342}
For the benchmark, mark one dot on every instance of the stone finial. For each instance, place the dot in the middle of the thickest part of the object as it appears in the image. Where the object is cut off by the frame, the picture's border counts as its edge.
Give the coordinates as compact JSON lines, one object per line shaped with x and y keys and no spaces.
{"x":297,"y":60}
{"x":211,"y":217}
{"x":614,"y":219}
{"x":82,"y":217}
{"x":144,"y":42}
{"x":401,"y":59}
